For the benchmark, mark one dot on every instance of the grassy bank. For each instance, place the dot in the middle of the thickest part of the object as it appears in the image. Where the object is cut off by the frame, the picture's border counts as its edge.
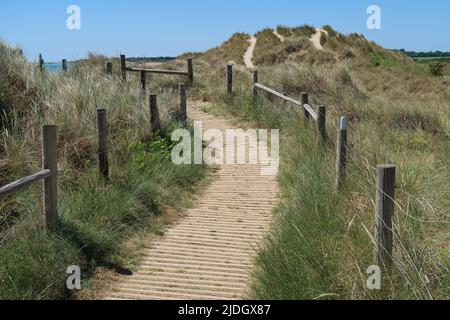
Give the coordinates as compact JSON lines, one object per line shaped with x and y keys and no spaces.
{"x":320,"y":243}
{"x":97,"y":220}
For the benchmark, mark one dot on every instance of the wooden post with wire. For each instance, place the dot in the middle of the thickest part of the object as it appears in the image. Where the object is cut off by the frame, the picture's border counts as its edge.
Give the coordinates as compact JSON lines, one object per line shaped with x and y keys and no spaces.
{"x":230,"y":79}
{"x":255,"y":81}
{"x":385,"y":197}
{"x":50,"y":184}
{"x":321,"y":123}
{"x":109,"y":68}
{"x":190,"y":70}
{"x":123,"y":67}
{"x":305,"y":100}
{"x":183,"y":103}
{"x":154,"y":114}
{"x":41,"y":62}
{"x":64,"y":65}
{"x":341,"y":153}
{"x":102,"y":131}
{"x":143,"y":81}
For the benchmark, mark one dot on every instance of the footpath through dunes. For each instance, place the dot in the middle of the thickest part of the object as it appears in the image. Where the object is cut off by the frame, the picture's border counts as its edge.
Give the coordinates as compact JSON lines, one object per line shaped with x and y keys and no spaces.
{"x":209,"y":252}
{"x":248,"y":56}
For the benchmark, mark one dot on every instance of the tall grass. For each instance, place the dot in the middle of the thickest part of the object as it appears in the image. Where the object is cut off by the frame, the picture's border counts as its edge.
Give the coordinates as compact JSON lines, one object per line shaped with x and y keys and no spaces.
{"x":320,"y":244}
{"x":97,"y":220}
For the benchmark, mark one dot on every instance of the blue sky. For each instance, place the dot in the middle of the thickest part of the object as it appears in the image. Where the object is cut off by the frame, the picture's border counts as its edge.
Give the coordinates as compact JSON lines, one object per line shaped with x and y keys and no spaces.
{"x":154,"y":28}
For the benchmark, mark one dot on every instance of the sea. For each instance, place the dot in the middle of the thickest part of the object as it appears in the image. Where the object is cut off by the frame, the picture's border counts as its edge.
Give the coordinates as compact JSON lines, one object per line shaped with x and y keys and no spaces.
{"x":55,"y":66}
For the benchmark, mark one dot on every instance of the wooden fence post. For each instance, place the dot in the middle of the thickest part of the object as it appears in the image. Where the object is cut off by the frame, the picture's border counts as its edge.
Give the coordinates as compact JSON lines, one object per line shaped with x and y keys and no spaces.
{"x":341,"y":153}
{"x":102,"y":131}
{"x":123,"y":67}
{"x":384,"y":210}
{"x":190,"y":70}
{"x":321,"y":123}
{"x":41,"y":62}
{"x":183,"y":103}
{"x":143,"y":81}
{"x":230,"y":79}
{"x":154,"y":114}
{"x":50,"y":184}
{"x":64,"y":64}
{"x":305,"y":100}
{"x":255,"y":81}
{"x":109,"y":68}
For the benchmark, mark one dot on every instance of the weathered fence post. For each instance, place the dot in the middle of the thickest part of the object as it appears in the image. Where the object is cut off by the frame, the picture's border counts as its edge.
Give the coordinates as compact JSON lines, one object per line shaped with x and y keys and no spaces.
{"x":341,"y":153}
{"x":102,"y":131}
{"x":143,"y":81}
{"x":230,"y":79}
{"x":154,"y":114}
{"x":64,"y":64}
{"x":50,"y":184}
{"x":305,"y":100}
{"x":255,"y":81}
{"x":190,"y":70}
{"x":384,"y":210}
{"x":109,"y":68}
{"x":321,"y":123}
{"x":123,"y":67}
{"x":41,"y":62}
{"x":183,"y":103}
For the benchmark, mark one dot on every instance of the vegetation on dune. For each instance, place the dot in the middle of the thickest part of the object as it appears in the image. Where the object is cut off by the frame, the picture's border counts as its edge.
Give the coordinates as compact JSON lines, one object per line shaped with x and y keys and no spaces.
{"x":320,"y":244}
{"x":97,"y":220}
{"x":231,"y":50}
{"x":266,"y":40}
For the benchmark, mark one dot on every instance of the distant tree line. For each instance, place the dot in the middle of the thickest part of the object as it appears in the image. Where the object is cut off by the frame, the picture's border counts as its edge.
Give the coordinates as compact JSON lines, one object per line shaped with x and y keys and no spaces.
{"x":428,"y":54}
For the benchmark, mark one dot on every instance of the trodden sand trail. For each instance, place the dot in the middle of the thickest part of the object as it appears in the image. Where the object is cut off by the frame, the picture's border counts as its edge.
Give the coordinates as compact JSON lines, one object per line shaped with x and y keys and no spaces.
{"x":209,"y":252}
{"x":315,"y":38}
{"x":248,"y":56}
{"x":279,"y":36}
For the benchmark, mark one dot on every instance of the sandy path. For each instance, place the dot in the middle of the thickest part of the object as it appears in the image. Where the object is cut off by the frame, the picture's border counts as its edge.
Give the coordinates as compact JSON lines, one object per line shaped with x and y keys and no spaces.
{"x":279,"y":36}
{"x":315,"y":39}
{"x":209,"y":253}
{"x":248,"y":56}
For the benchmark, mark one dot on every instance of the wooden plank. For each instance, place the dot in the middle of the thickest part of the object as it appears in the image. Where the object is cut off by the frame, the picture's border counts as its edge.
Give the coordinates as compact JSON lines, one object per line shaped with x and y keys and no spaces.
{"x":24,"y":182}
{"x":50,"y":162}
{"x":385,"y":196}
{"x":174,"y":72}
{"x":310,"y":111}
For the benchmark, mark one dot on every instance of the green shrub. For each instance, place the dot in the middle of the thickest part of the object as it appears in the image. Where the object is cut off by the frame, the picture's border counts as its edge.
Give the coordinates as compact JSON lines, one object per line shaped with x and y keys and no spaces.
{"x":436,"y":69}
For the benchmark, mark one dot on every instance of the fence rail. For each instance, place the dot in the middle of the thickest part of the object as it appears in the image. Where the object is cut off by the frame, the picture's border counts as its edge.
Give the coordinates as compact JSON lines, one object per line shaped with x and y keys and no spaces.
{"x":189,"y":73}
{"x":49,"y":175}
{"x":159,"y":71}
{"x":385,"y":189}
{"x":24,"y":182}
{"x":319,"y":116}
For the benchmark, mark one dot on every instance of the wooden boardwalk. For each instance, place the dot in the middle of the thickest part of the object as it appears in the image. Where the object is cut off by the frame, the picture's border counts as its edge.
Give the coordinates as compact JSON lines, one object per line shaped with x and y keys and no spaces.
{"x":209,"y":253}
